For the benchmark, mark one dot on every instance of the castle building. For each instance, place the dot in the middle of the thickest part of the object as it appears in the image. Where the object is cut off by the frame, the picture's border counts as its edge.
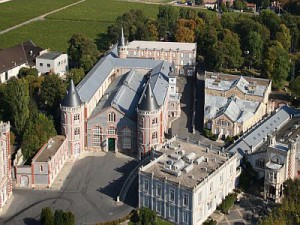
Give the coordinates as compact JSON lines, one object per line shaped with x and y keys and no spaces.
{"x":122,"y":105}
{"x":5,"y":162}
{"x":234,"y":104}
{"x":182,"y":55}
{"x":186,"y":183}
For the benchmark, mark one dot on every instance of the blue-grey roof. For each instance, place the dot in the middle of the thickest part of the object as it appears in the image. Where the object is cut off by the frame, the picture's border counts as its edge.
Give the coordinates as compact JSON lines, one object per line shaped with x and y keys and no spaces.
{"x":97,"y":75}
{"x":256,"y":137}
{"x":72,"y":98}
{"x":148,"y":101}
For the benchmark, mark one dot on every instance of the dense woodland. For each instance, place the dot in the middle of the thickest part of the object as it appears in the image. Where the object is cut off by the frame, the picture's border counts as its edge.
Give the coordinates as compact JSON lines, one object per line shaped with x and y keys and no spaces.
{"x":265,"y":45}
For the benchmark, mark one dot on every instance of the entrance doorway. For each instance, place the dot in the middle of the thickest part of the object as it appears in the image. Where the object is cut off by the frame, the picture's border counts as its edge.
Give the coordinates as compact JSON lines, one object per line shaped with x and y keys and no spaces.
{"x":111,"y":144}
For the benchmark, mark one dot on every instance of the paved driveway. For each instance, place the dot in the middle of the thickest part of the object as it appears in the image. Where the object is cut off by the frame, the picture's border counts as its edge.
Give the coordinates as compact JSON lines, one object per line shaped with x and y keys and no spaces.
{"x":89,"y":192}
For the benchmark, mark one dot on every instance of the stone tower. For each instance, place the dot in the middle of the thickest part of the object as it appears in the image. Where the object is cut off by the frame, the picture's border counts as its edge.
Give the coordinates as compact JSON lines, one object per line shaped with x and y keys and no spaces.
{"x":149,"y":124}
{"x":72,"y":120}
{"x":122,"y":48}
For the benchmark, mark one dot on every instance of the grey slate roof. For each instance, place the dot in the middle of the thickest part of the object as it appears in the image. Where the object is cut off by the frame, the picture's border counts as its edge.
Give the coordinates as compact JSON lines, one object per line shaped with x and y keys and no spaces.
{"x":97,"y":75}
{"x":148,"y":101}
{"x":256,"y":137}
{"x":72,"y":98}
{"x":49,"y":55}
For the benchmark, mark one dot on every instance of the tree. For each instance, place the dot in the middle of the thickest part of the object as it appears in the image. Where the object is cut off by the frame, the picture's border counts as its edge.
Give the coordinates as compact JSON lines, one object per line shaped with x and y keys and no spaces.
{"x":76,"y":75}
{"x":38,"y":132}
{"x":147,"y":216}
{"x":239,"y":5}
{"x":35,"y":84}
{"x":254,"y":49}
{"x":284,"y":37}
{"x":82,"y":52}
{"x":271,"y":20}
{"x":198,"y":2}
{"x":47,"y":216}
{"x":185,"y":30}
{"x":294,"y":86}
{"x":23,"y":72}
{"x":63,"y":218}
{"x":52,"y":92}
{"x":17,"y":99}
{"x":166,"y":19}
{"x":276,"y":65}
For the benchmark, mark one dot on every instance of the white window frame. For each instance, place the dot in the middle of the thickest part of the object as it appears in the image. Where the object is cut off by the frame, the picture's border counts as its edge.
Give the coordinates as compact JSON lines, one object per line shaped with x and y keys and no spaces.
{"x":185,"y":200}
{"x":146,"y":185}
{"x":172,"y":191}
{"x":158,"y":190}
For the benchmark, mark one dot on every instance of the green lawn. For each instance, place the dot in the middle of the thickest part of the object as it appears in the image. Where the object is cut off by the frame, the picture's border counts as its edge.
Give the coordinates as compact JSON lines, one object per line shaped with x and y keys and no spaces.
{"x":18,"y":11}
{"x":102,"y":10}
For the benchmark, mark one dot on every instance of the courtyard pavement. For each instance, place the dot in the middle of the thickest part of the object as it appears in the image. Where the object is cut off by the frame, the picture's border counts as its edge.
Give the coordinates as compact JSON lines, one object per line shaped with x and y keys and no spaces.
{"x":89,"y":191}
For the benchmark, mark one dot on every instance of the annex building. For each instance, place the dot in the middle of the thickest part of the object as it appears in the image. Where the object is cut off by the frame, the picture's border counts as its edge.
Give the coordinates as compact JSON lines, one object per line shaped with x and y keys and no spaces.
{"x":122,"y":105}
{"x":234,"y":104}
{"x":5,"y":162}
{"x":187,"y":182}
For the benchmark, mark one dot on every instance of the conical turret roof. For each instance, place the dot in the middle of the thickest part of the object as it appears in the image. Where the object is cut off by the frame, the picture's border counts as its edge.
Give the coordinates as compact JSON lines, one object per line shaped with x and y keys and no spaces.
{"x":72,"y":98}
{"x":122,"y":38}
{"x":148,"y":101}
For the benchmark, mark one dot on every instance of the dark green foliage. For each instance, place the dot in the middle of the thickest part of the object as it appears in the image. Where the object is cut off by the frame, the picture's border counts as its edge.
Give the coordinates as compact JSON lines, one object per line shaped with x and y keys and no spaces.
{"x":76,"y":75}
{"x":147,"y":217}
{"x":239,"y":5}
{"x":228,"y":202}
{"x":288,"y":212}
{"x":210,"y":222}
{"x":229,"y":139}
{"x":166,"y":21}
{"x":59,"y":217}
{"x":16,"y":101}
{"x":208,"y":134}
{"x":295,"y":86}
{"x":38,"y":132}
{"x":47,"y":216}
{"x":28,"y":71}
{"x":53,"y":90}
{"x":82,"y":52}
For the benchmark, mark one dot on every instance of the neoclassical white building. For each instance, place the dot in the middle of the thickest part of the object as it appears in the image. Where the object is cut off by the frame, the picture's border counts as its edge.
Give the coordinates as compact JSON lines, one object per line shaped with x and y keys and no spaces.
{"x":122,"y":105}
{"x":5,"y":162}
{"x":187,"y":183}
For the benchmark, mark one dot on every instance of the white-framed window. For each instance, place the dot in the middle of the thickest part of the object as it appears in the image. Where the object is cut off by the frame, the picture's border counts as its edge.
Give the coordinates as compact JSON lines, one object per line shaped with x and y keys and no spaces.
{"x":111,"y":130}
{"x":154,"y":135}
{"x":146,"y":185}
{"x":221,"y":178}
{"x":111,"y":117}
{"x":181,"y":55}
{"x":154,"y":120}
{"x":77,"y":133}
{"x":41,"y":64}
{"x":126,"y":133}
{"x":158,"y":190}
{"x":158,"y":207}
{"x":146,"y":201}
{"x":211,"y":187}
{"x":76,"y":116}
{"x":172,"y":195}
{"x":199,"y":197}
{"x":172,"y":212}
{"x":48,"y":65}
{"x":209,"y":205}
{"x":185,"y":199}
{"x":97,"y":136}
{"x":185,"y":217}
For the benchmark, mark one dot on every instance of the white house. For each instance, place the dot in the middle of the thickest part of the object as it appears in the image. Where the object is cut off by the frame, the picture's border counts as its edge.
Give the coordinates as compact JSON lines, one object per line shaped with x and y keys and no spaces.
{"x":52,"y":62}
{"x":14,"y":58}
{"x":186,"y":184}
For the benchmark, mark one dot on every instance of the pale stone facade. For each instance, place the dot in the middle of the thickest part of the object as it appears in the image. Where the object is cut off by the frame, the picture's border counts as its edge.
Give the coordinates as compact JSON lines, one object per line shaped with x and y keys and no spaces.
{"x":185,"y":186}
{"x":5,"y":162}
{"x":234,"y":104}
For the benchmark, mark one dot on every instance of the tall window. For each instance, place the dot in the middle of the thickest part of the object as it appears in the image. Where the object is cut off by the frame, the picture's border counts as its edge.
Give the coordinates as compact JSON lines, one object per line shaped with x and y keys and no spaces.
{"x":185,"y":199}
{"x":111,"y":130}
{"x":154,"y":121}
{"x":41,"y":168}
{"x":172,"y":195}
{"x":76,"y":117}
{"x":154,"y":135}
{"x":172,"y":211}
{"x":126,"y":133}
{"x":199,"y":197}
{"x":141,"y":121}
{"x":158,"y":207}
{"x":76,"y":133}
{"x":185,"y":217}
{"x":158,"y":190}
{"x":111,"y":117}
{"x":97,"y":132}
{"x":146,"y":185}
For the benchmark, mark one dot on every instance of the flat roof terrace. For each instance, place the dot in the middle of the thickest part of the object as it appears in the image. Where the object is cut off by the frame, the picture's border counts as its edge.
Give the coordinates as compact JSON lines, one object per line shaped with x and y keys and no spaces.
{"x":49,"y":149}
{"x":186,"y":163}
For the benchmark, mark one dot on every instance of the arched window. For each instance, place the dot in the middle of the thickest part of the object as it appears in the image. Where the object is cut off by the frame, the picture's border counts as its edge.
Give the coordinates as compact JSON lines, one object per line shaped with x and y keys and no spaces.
{"x":154,"y":120}
{"x":154,"y":135}
{"x":76,"y":117}
{"x":111,"y":130}
{"x":141,"y":121}
{"x":126,"y":133}
{"x":111,"y":117}
{"x":97,"y":136}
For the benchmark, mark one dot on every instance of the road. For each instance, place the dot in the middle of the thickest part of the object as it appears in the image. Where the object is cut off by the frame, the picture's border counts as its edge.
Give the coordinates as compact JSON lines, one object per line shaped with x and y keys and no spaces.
{"x":89,"y":191}
{"x":41,"y":17}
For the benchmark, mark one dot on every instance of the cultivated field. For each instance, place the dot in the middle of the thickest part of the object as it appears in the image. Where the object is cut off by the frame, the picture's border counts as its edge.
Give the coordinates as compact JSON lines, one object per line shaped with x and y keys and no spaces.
{"x":17,"y":11}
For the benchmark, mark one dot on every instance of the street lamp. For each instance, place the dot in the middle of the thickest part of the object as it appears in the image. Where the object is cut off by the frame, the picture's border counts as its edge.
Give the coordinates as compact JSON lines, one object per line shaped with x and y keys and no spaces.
{"x":247,"y":52}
